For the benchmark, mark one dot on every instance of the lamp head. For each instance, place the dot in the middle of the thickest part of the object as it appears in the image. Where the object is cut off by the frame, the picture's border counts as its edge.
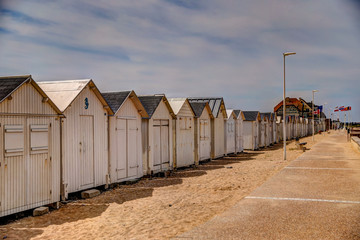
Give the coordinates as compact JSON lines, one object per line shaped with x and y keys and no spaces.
{"x":289,"y":53}
{"x":315,"y":90}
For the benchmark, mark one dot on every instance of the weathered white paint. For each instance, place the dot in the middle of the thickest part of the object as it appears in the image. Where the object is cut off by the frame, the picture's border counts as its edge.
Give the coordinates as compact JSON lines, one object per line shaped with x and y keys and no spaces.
{"x":125,"y":143}
{"x":230,"y":132}
{"x":250,"y":133}
{"x":184,"y":132}
{"x":262,"y":133}
{"x":275,"y":137}
{"x":84,"y":134}
{"x":219,"y":136}
{"x":204,"y":134}
{"x":30,"y":147}
{"x":239,"y":133}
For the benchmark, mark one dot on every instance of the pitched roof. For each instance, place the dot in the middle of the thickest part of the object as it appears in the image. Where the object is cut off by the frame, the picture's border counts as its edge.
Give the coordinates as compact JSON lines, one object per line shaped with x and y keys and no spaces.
{"x":63,"y":93}
{"x":150,"y":103}
{"x":239,"y":113}
{"x":117,"y":99}
{"x":198,"y":108}
{"x":263,"y":116}
{"x":250,"y":115}
{"x":9,"y":84}
{"x":214,"y":103}
{"x":230,"y":112}
{"x":269,"y":115}
{"x":290,"y":102}
{"x":177,"y":103}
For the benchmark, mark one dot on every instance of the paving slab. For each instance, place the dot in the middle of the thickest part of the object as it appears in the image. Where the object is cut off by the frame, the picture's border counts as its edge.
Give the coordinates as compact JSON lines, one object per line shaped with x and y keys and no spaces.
{"x":315,"y":197}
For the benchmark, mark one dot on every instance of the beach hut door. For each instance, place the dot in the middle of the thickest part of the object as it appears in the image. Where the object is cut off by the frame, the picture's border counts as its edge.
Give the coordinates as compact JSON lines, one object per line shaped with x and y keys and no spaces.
{"x":205,"y":144}
{"x":86,"y":150}
{"x":13,"y":164}
{"x":126,"y":131}
{"x":39,"y":166}
{"x":161,"y":144}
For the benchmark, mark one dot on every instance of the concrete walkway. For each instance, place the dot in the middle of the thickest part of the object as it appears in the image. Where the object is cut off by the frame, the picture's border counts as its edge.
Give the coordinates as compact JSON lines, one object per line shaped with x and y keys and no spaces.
{"x":316,"y":197}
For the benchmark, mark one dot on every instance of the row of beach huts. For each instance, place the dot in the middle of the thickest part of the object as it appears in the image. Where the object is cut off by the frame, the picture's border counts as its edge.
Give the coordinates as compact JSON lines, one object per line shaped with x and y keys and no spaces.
{"x":61,"y":137}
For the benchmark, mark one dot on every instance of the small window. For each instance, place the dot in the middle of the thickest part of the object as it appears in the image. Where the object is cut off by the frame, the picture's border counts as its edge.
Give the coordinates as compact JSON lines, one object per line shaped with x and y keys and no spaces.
{"x":185,"y":123}
{"x":188,"y":123}
{"x":14,"y":140}
{"x":39,"y":138}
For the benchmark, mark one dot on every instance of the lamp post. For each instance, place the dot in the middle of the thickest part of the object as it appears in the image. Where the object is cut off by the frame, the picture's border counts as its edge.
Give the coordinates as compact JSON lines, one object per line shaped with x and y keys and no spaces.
{"x":313,"y":126}
{"x":284,"y":106}
{"x":324,"y":110}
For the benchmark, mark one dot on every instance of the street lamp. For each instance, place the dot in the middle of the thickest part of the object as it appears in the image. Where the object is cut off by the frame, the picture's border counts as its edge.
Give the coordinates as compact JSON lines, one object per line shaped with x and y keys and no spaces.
{"x":324,"y":111}
{"x":284,"y":106}
{"x":313,"y":91}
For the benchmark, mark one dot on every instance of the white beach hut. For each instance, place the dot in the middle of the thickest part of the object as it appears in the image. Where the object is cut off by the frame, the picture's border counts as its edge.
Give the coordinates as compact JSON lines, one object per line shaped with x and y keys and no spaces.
{"x":289,"y":128}
{"x":263,"y":130}
{"x":218,"y":110}
{"x":184,"y":144}
{"x":157,"y":134}
{"x":125,"y":146}
{"x":250,"y":129}
{"x":275,"y":137}
{"x":29,"y":145}
{"x":84,"y":133}
{"x":203,"y":119}
{"x":230,"y":132}
{"x":279,"y":129}
{"x":269,"y":128}
{"x":239,"y":141}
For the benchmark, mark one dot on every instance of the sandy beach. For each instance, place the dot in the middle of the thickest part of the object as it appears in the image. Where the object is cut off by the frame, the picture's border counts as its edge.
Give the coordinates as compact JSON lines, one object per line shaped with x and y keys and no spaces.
{"x":160,"y":208}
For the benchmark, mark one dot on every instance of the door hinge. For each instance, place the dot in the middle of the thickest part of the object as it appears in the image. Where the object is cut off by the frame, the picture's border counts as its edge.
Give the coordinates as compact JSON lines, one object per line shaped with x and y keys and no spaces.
{"x":50,"y":192}
{"x":50,"y":158}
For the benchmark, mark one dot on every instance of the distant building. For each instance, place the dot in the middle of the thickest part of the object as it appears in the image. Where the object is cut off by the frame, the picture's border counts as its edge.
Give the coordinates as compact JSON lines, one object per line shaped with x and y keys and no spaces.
{"x":294,"y":107}
{"x":298,"y":108}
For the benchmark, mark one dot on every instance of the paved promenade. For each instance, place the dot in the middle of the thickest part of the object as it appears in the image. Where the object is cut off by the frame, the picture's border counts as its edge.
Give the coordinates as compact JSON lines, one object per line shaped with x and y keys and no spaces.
{"x":316,"y":197}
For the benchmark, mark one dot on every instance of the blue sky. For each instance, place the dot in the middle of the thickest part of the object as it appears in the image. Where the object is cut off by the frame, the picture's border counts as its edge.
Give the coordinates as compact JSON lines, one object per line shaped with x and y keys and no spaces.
{"x":186,"y":48}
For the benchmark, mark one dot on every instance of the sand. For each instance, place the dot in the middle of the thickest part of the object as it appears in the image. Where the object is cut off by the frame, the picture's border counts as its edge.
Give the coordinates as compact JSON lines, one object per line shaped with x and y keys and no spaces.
{"x":160,"y":208}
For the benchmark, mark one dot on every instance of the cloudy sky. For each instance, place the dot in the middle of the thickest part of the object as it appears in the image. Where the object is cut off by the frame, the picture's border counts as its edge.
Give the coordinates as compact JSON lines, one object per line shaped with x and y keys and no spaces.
{"x":228,"y":48}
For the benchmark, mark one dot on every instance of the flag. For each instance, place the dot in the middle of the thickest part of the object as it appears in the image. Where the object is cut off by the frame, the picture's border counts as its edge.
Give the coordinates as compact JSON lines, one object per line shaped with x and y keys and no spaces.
{"x":317,"y":111}
{"x":346,"y":109}
{"x":320,"y":108}
{"x":342,"y":108}
{"x":336,"y":109}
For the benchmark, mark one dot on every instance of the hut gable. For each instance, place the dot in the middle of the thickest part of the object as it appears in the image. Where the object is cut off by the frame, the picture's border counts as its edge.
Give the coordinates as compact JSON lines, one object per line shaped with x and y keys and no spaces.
{"x":264,"y":117}
{"x":269,"y":115}
{"x":64,"y":93}
{"x":117,"y":100}
{"x":230,"y":114}
{"x":9,"y":84}
{"x":24,"y":89}
{"x":198,"y":108}
{"x":239,"y":114}
{"x":216,"y":104}
{"x":152,"y":102}
{"x":181,"y":106}
{"x":251,"y":115}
